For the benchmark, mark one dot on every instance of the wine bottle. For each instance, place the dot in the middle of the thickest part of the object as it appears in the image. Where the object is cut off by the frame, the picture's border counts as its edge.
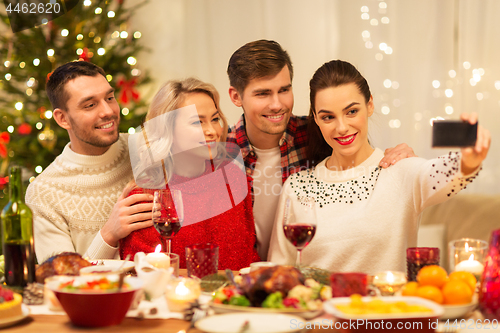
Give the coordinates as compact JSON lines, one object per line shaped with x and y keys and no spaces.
{"x":17,"y":230}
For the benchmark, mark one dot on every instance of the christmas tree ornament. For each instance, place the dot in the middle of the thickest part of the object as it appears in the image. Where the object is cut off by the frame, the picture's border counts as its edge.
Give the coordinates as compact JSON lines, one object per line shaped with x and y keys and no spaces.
{"x":4,"y":140}
{"x":47,"y":138}
{"x":127,"y":90}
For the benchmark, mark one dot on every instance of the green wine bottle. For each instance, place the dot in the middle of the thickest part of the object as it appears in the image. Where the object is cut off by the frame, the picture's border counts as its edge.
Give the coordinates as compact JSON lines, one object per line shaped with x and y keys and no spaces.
{"x":17,"y":230}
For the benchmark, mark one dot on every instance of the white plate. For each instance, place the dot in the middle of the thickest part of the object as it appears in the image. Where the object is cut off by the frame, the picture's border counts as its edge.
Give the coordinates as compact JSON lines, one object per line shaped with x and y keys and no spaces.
{"x":11,"y":321}
{"x":437,"y":310}
{"x":226,"y":308}
{"x":258,"y":323}
{"x":114,"y":263}
{"x":245,"y":270}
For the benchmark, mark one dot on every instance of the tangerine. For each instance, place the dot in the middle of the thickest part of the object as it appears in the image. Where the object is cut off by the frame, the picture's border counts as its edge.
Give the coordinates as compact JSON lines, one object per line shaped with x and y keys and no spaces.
{"x":466,"y":277}
{"x":432,"y":275}
{"x":431,"y":293}
{"x":457,"y":292}
{"x":410,"y":289}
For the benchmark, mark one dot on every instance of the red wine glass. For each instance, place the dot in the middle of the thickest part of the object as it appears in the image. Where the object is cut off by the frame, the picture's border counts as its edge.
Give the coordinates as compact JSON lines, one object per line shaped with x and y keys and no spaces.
{"x":168,"y":215}
{"x":299,"y":223}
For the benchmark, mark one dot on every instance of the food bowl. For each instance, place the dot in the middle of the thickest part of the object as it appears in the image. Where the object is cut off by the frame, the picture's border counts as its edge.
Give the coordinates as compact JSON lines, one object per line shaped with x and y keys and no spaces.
{"x":458,"y":311}
{"x":96,"y":307}
{"x":422,"y":322}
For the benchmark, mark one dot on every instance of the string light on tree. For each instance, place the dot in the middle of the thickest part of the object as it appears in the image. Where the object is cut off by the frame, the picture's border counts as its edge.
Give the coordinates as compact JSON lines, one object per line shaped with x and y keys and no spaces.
{"x":91,"y":28}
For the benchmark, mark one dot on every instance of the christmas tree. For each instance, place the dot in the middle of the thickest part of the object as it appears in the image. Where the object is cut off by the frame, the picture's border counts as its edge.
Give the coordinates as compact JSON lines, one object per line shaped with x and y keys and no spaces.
{"x":94,"y":31}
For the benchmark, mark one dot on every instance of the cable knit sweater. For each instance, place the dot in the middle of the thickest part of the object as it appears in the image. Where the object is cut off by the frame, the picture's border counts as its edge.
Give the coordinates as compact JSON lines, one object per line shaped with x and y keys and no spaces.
{"x":73,"y":198}
{"x":366,"y":216}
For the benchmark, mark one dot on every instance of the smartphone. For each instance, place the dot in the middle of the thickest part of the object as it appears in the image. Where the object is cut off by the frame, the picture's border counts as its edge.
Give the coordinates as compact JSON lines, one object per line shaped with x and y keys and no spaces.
{"x":453,"y":133}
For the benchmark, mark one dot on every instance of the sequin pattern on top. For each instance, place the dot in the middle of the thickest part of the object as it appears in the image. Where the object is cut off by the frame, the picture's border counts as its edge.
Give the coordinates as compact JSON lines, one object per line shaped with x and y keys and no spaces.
{"x":450,"y":165}
{"x":326,"y":193}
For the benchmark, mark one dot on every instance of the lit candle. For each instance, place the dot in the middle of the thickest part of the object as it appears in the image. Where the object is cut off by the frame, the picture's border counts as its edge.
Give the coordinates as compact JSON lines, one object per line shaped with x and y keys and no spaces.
{"x":471,"y":266}
{"x":158,"y":259}
{"x":389,"y":282}
{"x":182,"y":292}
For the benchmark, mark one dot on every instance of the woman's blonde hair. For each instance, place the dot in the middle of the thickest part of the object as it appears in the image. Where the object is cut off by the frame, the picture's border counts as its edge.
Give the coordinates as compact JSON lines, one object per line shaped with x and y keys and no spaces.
{"x":159,"y":135}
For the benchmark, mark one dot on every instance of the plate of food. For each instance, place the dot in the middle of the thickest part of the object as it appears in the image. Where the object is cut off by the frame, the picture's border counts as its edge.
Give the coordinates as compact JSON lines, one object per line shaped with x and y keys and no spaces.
{"x":274,"y":290}
{"x":390,"y":312}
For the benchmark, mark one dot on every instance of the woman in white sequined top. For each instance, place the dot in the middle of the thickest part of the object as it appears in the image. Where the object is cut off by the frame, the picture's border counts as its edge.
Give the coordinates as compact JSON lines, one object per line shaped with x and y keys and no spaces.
{"x":366,"y":216}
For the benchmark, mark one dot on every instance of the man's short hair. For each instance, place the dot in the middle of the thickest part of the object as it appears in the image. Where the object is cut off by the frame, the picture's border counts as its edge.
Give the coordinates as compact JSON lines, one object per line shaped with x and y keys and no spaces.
{"x":56,"y":92}
{"x":257,"y":59}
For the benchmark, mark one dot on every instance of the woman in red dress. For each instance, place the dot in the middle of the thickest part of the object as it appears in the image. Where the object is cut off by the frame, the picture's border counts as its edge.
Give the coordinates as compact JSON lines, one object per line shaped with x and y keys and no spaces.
{"x":182,"y":146}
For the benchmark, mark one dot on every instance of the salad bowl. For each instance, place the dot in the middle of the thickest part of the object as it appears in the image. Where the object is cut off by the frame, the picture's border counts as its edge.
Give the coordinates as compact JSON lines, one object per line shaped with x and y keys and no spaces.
{"x":98,"y":306}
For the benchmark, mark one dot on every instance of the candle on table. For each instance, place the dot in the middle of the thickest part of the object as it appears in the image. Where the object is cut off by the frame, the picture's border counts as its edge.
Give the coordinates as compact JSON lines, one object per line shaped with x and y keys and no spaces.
{"x":389,"y":282}
{"x":471,"y":266}
{"x":158,"y":259}
{"x":182,"y":292}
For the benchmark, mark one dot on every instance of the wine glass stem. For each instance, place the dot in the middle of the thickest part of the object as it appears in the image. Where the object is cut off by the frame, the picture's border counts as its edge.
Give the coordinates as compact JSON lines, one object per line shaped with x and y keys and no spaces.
{"x":169,"y":246}
{"x":299,"y":257}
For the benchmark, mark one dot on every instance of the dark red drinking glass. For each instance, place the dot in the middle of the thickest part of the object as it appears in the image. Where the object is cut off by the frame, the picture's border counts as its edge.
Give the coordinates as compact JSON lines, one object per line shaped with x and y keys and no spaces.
{"x":347,"y":284}
{"x":418,"y":257}
{"x":489,"y":293}
{"x":202,"y":259}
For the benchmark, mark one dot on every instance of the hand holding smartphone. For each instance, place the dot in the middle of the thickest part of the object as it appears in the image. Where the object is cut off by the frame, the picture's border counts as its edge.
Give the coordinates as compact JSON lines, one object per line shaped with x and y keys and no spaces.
{"x":453,"y":133}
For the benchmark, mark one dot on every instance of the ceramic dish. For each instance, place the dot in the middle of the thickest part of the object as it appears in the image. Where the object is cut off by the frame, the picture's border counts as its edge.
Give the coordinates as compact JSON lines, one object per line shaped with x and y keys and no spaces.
{"x":11,"y":321}
{"x":417,"y":322}
{"x":458,"y":311}
{"x":114,"y":263}
{"x":244,"y":271}
{"x":257,"y":323}
{"x":225,"y":308}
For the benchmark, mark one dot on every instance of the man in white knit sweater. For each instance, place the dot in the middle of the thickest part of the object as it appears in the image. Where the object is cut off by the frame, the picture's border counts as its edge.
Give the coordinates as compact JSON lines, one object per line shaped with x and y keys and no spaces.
{"x":80,"y":201}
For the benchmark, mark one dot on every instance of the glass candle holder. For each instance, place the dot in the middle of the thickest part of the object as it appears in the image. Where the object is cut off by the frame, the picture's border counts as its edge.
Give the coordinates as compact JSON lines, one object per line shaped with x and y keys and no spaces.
{"x":181,"y":292}
{"x":489,"y":292}
{"x":418,"y":257}
{"x":467,"y":254}
{"x":389,"y":282}
{"x":347,"y":284}
{"x":202,"y":259}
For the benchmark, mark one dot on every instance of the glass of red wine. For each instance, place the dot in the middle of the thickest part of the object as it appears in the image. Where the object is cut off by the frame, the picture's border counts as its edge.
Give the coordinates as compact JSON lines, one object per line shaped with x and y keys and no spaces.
{"x":168,"y":215}
{"x":299,"y":223}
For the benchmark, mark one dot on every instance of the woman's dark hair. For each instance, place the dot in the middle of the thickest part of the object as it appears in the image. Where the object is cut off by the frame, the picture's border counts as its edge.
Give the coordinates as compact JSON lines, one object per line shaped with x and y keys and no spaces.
{"x":331,"y":74}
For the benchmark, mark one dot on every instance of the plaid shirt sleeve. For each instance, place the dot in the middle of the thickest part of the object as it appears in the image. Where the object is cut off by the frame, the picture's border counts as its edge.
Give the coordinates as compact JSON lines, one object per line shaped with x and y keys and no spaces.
{"x":293,"y":145}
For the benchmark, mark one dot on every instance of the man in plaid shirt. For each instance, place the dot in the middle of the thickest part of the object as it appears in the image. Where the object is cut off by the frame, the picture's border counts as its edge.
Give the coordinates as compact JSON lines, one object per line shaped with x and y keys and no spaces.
{"x":272,"y":140}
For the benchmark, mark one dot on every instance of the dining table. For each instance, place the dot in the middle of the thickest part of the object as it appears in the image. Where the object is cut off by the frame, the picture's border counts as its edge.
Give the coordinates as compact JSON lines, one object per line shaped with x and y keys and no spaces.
{"x":60,"y":323}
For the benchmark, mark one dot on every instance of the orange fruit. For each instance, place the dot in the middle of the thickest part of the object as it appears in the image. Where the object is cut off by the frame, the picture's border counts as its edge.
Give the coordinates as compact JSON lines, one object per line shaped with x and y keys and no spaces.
{"x":431,"y":293}
{"x":466,"y":277}
{"x":457,"y":292}
{"x":410,"y":289}
{"x":432,"y":275}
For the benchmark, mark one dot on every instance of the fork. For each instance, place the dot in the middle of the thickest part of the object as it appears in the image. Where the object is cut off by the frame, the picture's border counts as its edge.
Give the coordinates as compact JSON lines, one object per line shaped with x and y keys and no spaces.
{"x":197,"y":315}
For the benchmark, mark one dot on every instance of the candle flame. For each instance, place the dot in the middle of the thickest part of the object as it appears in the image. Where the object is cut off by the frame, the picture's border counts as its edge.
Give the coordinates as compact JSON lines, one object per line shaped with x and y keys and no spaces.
{"x":471,"y":257}
{"x":466,"y":247}
{"x":158,"y":248}
{"x":390,"y":277}
{"x":181,"y":289}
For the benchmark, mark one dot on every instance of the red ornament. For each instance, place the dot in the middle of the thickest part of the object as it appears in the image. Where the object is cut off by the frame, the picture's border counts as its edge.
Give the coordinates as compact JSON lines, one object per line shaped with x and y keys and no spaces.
{"x":85,"y":55}
{"x":4,"y":140}
{"x":127,"y":90}
{"x":24,"y":129}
